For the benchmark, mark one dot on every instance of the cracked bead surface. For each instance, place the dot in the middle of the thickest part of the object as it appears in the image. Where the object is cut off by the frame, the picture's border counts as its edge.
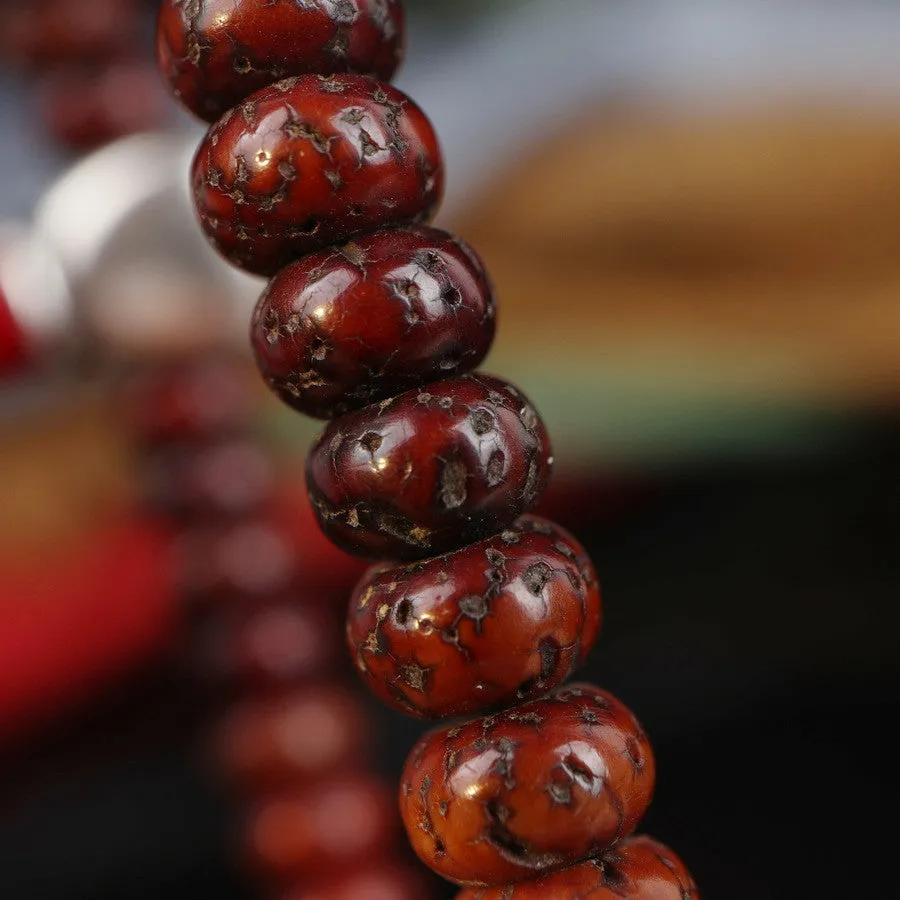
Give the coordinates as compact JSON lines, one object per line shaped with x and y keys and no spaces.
{"x":527,"y":791}
{"x":215,"y":53}
{"x":430,"y":470}
{"x":640,"y":868}
{"x":311,"y":161}
{"x":384,"y":314}
{"x":495,"y":623}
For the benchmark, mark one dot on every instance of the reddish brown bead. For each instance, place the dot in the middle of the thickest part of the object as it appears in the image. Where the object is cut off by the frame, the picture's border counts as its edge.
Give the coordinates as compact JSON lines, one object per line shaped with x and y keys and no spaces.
{"x":322,"y":828}
{"x":215,"y":53}
{"x":290,"y":738}
{"x":430,"y":470}
{"x":375,"y":881}
{"x":498,"y":622}
{"x":387,"y":313}
{"x":639,"y":869}
{"x":311,"y":161}
{"x":527,"y":791}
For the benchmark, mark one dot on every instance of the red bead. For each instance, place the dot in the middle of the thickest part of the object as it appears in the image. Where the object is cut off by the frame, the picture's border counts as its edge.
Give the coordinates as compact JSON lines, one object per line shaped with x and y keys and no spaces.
{"x":382,"y":315}
{"x":215,"y":53}
{"x":292,"y":737}
{"x":311,"y":161}
{"x":322,"y":828}
{"x":430,"y":470}
{"x":375,"y":881}
{"x":638,"y":869}
{"x":527,"y":791}
{"x":498,"y":622}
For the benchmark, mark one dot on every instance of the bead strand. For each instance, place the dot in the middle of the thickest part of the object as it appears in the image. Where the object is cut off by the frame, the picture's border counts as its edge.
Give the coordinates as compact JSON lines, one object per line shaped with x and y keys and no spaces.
{"x":323,"y":177}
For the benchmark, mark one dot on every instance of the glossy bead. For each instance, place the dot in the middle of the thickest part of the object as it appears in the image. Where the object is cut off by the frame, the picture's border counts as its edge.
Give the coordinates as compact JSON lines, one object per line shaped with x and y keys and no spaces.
{"x":389,"y":312}
{"x":638,"y":869}
{"x":430,"y":470}
{"x":322,"y":828}
{"x":530,"y":790}
{"x":495,"y":623}
{"x":228,"y":478}
{"x":291,"y":737}
{"x":311,"y":161}
{"x":215,"y":53}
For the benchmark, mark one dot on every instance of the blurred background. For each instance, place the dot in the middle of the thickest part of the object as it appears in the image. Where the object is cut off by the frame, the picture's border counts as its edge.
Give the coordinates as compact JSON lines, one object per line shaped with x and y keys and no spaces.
{"x":691,"y":210}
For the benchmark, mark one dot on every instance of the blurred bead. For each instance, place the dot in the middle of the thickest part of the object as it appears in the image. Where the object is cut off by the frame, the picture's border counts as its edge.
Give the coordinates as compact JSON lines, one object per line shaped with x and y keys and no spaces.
{"x":389,"y":312}
{"x":493,"y":624}
{"x":324,"y":828}
{"x":530,"y":790}
{"x":231,"y":477}
{"x":638,"y":869}
{"x":281,"y":643}
{"x":189,"y":402}
{"x":373,"y":881}
{"x":247,"y":561}
{"x":311,"y":161}
{"x":86,"y":108}
{"x":215,"y":53}
{"x":51,"y":32}
{"x":13,"y":353}
{"x":291,"y":738}
{"x":430,"y":470}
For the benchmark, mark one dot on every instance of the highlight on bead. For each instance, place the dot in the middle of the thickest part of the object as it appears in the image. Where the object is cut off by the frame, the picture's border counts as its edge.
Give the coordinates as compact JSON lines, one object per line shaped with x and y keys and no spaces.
{"x":533,"y":789}
{"x":370,"y":319}
{"x":431,"y":470}
{"x":496,"y":623}
{"x":310,"y":161}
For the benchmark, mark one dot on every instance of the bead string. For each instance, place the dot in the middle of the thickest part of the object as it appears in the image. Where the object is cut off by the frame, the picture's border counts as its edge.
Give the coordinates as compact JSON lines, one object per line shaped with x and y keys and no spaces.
{"x":320,"y":175}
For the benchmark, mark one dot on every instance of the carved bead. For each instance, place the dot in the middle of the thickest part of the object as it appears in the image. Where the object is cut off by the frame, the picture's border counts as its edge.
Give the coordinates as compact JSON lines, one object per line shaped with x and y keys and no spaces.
{"x":492,"y":624}
{"x":638,"y":869}
{"x":215,"y":53}
{"x":290,"y":738}
{"x":312,"y":161}
{"x":391,"y":311}
{"x":430,"y":470}
{"x":321,"y":828}
{"x":527,"y":791}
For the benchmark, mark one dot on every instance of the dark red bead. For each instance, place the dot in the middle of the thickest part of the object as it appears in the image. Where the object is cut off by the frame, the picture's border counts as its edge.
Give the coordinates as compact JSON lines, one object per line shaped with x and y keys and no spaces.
{"x":430,"y":470}
{"x":13,"y":353}
{"x":215,"y":53}
{"x":527,"y":791}
{"x":638,"y":869}
{"x":389,"y":312}
{"x":498,"y":622}
{"x":312,"y":161}
{"x":321,"y":828}
{"x":291,"y":737}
